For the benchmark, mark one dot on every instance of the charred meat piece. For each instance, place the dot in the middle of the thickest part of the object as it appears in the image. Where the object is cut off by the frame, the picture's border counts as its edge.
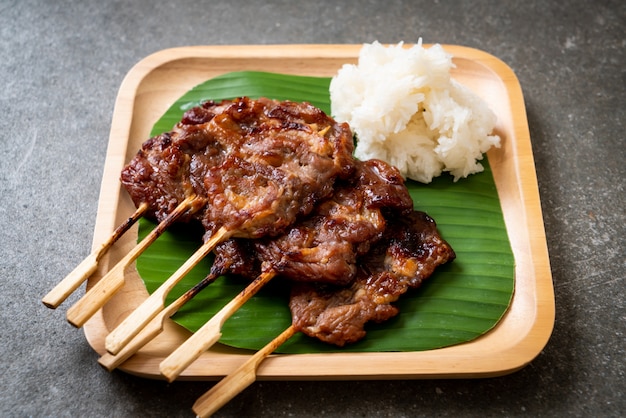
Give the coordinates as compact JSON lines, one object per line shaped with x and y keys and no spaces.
{"x":407,"y":255}
{"x":236,"y":256}
{"x":324,"y":247}
{"x":159,"y":176}
{"x":256,"y":165}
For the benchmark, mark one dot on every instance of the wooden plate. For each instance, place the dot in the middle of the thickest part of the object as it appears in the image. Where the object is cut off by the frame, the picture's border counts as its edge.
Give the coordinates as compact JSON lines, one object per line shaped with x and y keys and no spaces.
{"x":158,"y":80}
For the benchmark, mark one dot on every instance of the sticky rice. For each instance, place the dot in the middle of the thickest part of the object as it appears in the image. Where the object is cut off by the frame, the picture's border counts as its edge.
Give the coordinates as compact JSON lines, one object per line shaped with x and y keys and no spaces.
{"x":405,"y":109}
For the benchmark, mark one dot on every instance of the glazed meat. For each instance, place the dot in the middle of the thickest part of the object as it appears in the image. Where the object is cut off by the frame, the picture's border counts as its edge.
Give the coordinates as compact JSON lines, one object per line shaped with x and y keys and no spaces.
{"x":159,"y":175}
{"x":255,"y":165}
{"x":324,"y":246}
{"x":407,"y":255}
{"x":280,"y":178}
{"x":236,"y":256}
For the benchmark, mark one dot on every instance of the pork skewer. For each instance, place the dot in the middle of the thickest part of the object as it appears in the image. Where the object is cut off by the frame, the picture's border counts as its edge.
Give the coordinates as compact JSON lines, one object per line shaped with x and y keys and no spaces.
{"x":223,"y":263}
{"x":261,"y":164}
{"x":408,"y":254}
{"x":89,"y":265}
{"x":108,"y":285}
{"x":160,"y":168}
{"x":322,"y":248}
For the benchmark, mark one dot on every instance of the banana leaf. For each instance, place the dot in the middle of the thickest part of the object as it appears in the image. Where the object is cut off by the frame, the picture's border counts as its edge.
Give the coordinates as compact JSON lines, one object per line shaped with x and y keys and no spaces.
{"x":461,"y":301}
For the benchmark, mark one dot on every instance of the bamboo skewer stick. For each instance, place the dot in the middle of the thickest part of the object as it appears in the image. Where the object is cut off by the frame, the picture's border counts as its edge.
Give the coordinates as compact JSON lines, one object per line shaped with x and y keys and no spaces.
{"x":154,"y":327}
{"x":98,"y":295}
{"x":150,"y":307}
{"x":209,"y":333}
{"x":234,"y":383}
{"x":89,"y":265}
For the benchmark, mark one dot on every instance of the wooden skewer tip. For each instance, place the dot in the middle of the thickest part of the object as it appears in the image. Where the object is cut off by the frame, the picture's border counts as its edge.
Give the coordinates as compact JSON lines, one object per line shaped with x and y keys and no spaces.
{"x":151,"y":307}
{"x":88,"y":266}
{"x":209,"y":333}
{"x":114,"y":280}
{"x":233,"y":384}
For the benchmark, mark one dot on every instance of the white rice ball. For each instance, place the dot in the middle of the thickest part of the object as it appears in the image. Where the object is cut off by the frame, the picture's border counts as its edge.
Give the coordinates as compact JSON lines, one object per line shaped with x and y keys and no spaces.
{"x":405,"y":109}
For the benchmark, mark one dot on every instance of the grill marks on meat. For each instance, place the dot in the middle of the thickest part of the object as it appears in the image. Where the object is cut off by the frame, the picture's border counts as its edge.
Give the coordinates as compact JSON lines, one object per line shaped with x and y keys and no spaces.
{"x":159,"y":176}
{"x":324,"y":246}
{"x":257,"y":165}
{"x":236,"y":256}
{"x":407,"y":255}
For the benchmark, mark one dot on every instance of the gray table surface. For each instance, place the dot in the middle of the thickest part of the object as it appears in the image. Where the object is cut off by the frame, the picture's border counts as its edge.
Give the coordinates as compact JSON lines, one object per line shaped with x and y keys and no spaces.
{"x":61,"y":65}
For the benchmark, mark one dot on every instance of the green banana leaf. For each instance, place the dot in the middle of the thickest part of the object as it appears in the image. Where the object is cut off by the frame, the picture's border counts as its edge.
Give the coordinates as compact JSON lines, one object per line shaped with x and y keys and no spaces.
{"x":461,"y":301}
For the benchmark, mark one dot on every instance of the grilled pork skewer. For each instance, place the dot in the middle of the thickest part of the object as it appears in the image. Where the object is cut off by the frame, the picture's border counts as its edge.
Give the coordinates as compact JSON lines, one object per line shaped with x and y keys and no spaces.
{"x":174,"y":188}
{"x":260,"y":164}
{"x":322,"y":248}
{"x":408,"y":254}
{"x":89,"y":265}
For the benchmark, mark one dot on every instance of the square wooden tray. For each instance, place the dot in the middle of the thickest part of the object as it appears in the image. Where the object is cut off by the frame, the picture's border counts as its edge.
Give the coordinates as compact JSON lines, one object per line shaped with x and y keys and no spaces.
{"x":157,"y":81}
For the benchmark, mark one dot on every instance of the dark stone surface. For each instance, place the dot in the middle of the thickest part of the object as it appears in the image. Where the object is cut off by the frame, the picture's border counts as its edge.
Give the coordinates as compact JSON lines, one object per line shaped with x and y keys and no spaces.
{"x":61,"y":65}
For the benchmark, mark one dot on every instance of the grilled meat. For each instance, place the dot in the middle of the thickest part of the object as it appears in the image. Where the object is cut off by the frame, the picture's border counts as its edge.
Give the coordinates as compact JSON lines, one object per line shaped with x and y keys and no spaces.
{"x":256,"y":165}
{"x":407,"y":255}
{"x":281,"y":176}
{"x":324,"y":246}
